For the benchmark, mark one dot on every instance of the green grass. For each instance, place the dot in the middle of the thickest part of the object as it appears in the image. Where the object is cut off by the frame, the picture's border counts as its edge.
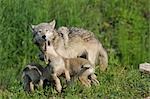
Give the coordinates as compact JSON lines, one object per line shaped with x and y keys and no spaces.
{"x":121,"y":25}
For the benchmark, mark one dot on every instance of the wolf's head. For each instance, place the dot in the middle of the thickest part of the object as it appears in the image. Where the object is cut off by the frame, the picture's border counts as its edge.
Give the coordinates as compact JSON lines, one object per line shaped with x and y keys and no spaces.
{"x":43,"y":31}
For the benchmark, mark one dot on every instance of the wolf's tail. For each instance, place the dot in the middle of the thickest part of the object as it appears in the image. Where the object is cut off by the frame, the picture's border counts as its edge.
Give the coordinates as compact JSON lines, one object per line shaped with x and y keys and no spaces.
{"x":103,"y":58}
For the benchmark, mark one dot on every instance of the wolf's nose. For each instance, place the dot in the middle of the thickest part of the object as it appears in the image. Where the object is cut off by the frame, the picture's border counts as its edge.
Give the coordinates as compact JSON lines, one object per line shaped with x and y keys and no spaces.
{"x":44,"y":37}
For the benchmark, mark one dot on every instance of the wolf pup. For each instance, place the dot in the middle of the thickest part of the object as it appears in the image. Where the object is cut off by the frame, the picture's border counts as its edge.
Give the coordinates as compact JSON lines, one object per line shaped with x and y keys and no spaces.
{"x":79,"y":67}
{"x":31,"y":76}
{"x":80,"y":42}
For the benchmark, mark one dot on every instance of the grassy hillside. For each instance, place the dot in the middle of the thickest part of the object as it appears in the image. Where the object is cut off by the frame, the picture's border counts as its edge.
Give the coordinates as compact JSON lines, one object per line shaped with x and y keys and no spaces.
{"x":121,"y":25}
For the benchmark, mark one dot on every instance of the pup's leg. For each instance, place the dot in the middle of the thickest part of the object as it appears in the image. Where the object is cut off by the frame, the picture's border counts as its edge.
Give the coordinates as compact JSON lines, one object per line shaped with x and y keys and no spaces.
{"x":67,"y":75}
{"x":31,"y":86}
{"x":90,"y":73}
{"x":57,"y":82}
{"x":46,"y":58}
{"x":84,"y":78}
{"x":85,"y":81}
{"x":26,"y":81}
{"x":93,"y":79}
{"x":41,"y":84}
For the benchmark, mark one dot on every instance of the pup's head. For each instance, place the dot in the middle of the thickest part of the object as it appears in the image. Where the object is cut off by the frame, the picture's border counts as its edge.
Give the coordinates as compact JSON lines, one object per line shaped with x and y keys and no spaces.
{"x":43,"y":31}
{"x":85,"y":66}
{"x":47,"y":46}
{"x":47,"y":51}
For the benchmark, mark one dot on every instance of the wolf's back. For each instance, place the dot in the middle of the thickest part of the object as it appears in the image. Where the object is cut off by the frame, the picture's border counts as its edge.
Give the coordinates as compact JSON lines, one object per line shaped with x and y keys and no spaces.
{"x":84,"y":34}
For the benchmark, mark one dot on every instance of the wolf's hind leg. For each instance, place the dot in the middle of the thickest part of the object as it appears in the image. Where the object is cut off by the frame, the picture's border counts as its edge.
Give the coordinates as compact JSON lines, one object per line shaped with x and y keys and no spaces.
{"x":92,"y":57}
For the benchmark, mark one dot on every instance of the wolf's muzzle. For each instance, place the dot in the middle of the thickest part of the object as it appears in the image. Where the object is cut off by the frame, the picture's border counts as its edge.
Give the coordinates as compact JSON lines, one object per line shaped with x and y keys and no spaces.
{"x":44,"y":37}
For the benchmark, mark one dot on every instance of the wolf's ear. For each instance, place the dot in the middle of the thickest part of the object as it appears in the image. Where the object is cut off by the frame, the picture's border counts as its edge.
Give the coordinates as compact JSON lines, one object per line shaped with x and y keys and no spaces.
{"x":52,"y":24}
{"x":32,"y":26}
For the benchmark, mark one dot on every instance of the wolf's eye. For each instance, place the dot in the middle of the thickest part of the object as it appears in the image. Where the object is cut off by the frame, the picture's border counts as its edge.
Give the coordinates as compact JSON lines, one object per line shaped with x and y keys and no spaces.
{"x":82,"y":66}
{"x":46,"y":30}
{"x":40,"y":31}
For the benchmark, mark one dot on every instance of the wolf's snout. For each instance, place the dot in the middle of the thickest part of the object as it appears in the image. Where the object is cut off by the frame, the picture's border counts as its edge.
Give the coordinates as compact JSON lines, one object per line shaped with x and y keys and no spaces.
{"x":44,"y":37}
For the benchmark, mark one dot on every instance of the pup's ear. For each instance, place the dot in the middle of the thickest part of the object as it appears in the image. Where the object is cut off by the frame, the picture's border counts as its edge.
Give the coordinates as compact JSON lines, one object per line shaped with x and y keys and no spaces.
{"x":52,"y":24}
{"x":82,"y":66}
{"x":86,"y":66}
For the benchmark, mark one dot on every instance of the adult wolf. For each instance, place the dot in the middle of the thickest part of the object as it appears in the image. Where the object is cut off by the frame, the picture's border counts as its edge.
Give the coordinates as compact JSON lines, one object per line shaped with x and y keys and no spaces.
{"x":80,"y":43}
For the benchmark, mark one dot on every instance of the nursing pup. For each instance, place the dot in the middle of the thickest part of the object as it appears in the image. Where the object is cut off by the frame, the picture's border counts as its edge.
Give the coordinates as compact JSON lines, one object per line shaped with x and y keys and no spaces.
{"x":71,"y":67}
{"x":31,"y":77}
{"x":36,"y":76}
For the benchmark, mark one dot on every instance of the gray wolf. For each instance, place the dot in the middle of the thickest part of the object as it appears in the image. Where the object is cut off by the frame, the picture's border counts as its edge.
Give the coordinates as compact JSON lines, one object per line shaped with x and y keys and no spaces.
{"x":71,"y":67}
{"x":80,"y":43}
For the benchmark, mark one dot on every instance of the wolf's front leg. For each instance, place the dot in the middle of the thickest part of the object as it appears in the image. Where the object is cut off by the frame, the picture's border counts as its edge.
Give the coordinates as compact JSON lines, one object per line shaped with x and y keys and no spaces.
{"x":57,"y":82}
